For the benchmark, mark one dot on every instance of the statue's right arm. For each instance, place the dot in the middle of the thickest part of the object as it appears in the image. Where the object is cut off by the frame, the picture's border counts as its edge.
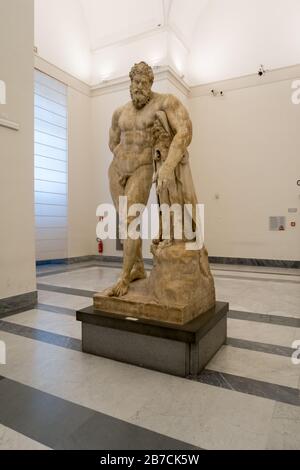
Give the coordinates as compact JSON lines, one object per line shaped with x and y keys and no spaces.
{"x":115,"y":131}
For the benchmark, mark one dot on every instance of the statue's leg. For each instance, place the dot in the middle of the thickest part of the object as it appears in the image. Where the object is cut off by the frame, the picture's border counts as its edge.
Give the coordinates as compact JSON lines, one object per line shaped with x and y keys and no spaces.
{"x":116,"y":184}
{"x":138,"y":270}
{"x":137,"y":190}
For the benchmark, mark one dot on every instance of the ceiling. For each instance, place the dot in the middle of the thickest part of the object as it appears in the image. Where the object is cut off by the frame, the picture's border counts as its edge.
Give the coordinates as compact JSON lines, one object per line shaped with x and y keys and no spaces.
{"x":118,"y":20}
{"x":204,"y":40}
{"x":122,"y":20}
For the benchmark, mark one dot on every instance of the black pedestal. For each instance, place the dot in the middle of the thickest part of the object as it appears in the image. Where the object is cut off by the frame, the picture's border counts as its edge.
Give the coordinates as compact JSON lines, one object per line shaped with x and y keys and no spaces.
{"x":182,"y":350}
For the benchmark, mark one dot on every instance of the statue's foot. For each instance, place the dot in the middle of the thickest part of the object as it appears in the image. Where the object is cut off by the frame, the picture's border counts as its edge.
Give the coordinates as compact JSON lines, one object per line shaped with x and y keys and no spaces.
{"x":119,"y":289}
{"x":138,"y":272}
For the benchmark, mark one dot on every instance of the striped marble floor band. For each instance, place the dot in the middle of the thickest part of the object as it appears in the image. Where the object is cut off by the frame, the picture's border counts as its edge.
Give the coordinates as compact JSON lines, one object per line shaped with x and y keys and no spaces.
{"x":260,"y":347}
{"x":65,"y":270}
{"x":94,"y":264}
{"x":73,"y":343}
{"x":241,"y":315}
{"x":61,"y":424}
{"x":264,"y":318}
{"x":41,"y":335}
{"x":241,"y":384}
{"x":234,"y":314}
{"x":55,"y":309}
{"x":66,"y":290}
{"x":279,"y":393}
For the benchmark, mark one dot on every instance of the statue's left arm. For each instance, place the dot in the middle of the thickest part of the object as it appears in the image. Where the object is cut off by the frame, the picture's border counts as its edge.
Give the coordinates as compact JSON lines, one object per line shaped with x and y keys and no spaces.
{"x":181,"y":125}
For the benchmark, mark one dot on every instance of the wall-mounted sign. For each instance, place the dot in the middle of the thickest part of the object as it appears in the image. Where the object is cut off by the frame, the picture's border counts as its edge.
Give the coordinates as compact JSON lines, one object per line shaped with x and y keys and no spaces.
{"x":296,"y":93}
{"x":2,"y":92}
{"x":277,"y":223}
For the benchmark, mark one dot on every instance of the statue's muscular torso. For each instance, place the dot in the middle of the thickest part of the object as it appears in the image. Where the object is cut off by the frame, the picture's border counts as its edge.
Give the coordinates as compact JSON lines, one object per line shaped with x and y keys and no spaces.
{"x":131,"y":171}
{"x":130,"y":134}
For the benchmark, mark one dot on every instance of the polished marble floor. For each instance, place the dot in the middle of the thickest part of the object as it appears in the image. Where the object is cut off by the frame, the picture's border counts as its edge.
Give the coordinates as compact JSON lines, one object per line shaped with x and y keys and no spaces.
{"x":53,"y":396}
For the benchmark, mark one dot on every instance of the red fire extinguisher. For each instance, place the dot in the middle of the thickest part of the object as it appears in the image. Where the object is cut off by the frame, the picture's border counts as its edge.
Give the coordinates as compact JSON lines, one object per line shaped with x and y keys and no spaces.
{"x":99,"y":241}
{"x":100,"y":246}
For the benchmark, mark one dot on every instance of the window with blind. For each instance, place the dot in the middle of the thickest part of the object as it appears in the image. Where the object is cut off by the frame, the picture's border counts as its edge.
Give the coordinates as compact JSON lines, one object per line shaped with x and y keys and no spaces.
{"x":51,"y":167}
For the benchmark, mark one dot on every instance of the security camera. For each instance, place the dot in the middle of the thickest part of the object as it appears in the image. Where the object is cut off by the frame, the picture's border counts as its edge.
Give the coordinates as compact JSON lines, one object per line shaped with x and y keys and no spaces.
{"x":261,"y":71}
{"x":216,"y":93}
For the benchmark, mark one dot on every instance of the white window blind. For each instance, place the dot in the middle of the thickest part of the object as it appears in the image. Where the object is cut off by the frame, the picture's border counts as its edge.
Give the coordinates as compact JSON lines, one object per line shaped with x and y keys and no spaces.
{"x":51,"y":167}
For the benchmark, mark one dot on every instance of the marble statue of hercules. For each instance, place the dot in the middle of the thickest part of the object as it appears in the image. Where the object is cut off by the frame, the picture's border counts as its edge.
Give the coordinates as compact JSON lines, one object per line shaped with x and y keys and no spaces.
{"x":131,"y":171}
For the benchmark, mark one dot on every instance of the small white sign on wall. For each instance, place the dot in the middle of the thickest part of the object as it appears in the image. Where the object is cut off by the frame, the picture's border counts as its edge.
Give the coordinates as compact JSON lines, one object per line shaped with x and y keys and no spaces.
{"x":2,"y":92}
{"x":296,"y":93}
{"x":4,"y":121}
{"x":2,"y":352}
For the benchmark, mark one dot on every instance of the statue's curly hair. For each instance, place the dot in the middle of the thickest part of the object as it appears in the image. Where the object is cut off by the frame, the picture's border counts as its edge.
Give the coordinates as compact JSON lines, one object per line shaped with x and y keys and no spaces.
{"x":142,"y":69}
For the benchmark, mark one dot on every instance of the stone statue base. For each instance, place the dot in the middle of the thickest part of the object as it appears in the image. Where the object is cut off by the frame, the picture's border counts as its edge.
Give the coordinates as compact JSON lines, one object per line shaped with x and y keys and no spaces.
{"x":180,"y":288}
{"x":168,"y":322}
{"x":182,"y":350}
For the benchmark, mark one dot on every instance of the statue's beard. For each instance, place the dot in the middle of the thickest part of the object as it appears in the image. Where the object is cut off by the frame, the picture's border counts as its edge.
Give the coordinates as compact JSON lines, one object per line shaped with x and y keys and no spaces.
{"x":139,"y":97}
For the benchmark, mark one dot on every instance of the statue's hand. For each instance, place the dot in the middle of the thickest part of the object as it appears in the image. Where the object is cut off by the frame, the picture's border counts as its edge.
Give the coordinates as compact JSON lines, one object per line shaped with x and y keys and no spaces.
{"x":165,"y":177}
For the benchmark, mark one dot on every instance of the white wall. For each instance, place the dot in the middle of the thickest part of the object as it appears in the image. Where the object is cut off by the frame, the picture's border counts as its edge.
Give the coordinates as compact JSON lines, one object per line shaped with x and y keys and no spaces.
{"x":61,"y":36}
{"x":233,"y":37}
{"x":246,"y":149}
{"x":17,"y":256}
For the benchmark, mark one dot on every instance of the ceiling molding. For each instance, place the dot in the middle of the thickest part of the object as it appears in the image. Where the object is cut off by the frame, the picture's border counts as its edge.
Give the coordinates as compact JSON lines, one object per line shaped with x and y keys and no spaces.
{"x":64,"y":77}
{"x":107,"y":86}
{"x":122,"y":83}
{"x":166,"y":72}
{"x":247,"y":81}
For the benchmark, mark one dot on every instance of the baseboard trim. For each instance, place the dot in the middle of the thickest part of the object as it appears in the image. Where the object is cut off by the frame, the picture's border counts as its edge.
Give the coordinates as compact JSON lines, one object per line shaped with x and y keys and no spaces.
{"x":119,"y":259}
{"x":267,"y":263}
{"x":89,"y":258}
{"x":76,"y":259}
{"x":18,"y":302}
{"x":271,"y":263}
